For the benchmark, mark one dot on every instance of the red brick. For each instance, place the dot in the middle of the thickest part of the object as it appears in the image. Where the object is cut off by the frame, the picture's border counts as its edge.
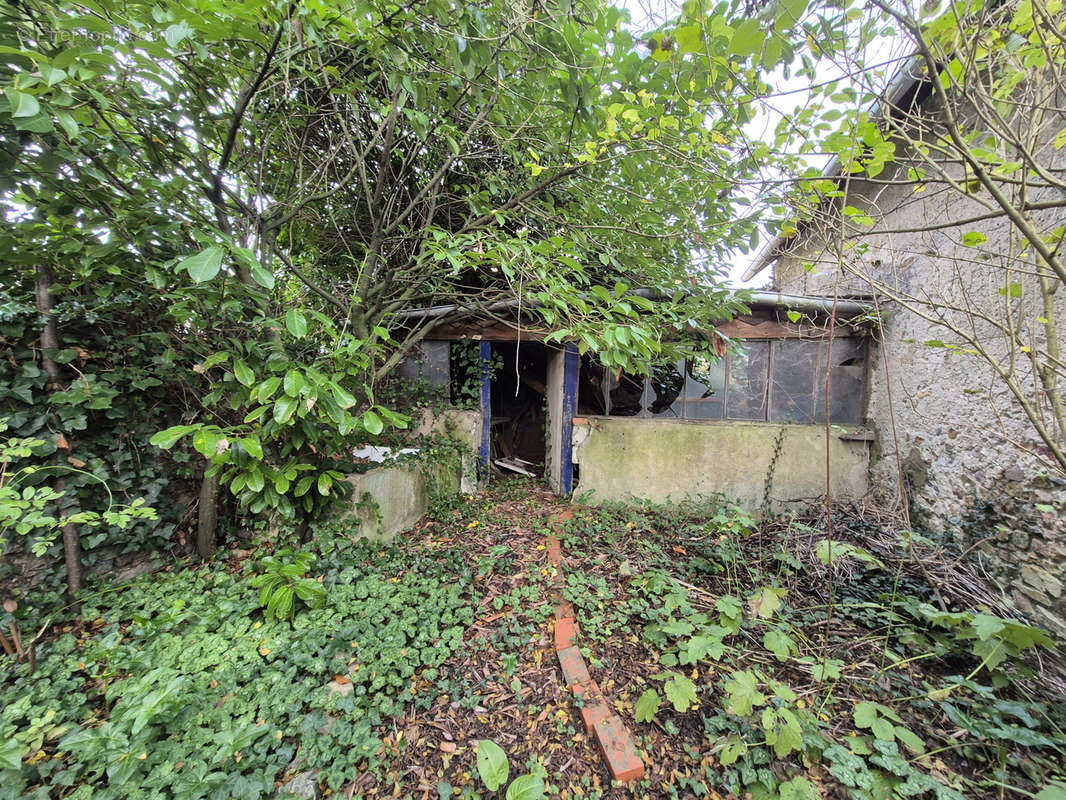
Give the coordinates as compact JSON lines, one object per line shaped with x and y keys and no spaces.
{"x":573,"y":666}
{"x":565,"y":632}
{"x":562,"y":516}
{"x":564,"y":610}
{"x":618,"y":750}
{"x":555,"y":553}
{"x":594,"y":709}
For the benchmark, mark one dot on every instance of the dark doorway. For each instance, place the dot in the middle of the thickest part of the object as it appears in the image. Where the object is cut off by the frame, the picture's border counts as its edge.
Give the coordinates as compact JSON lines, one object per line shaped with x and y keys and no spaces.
{"x":519,"y":406}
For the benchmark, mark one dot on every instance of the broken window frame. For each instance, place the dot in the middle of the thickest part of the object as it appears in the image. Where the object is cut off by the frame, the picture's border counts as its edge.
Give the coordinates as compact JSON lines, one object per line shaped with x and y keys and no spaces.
{"x":679,"y":408}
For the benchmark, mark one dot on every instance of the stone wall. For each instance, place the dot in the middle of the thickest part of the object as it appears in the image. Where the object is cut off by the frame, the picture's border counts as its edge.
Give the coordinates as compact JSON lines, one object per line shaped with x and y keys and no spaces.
{"x":620,"y":458}
{"x":974,"y":468}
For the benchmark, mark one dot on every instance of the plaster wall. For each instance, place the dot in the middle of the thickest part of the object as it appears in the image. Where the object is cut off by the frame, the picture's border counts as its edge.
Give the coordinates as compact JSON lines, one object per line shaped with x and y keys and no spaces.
{"x":659,"y":460}
{"x":463,"y":426}
{"x":974,"y":469}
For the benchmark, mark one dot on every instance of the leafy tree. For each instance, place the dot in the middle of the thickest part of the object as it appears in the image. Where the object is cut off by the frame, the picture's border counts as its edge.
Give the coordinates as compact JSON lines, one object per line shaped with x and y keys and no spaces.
{"x":231,"y":208}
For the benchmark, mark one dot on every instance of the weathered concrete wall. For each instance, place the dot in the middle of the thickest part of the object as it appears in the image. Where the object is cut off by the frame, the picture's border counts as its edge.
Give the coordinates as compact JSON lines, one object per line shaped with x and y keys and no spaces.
{"x":465,"y":428}
{"x":390,"y":500}
{"x":661,"y":460}
{"x":975,"y":470}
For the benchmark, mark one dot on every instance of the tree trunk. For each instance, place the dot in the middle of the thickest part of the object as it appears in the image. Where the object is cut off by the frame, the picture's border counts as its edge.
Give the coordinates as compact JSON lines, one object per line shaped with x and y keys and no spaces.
{"x":49,"y":331}
{"x":71,"y":552}
{"x":72,"y":555}
{"x":207,"y":523}
{"x":49,"y":344}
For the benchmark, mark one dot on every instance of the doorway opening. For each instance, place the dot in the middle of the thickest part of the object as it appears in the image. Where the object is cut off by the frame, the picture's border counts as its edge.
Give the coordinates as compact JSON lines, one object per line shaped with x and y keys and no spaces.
{"x":519,"y":407}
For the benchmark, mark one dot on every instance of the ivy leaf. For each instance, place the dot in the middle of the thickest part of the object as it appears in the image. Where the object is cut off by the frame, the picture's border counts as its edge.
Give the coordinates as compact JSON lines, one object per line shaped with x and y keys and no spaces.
{"x":492,"y":764}
{"x":648,"y":706}
{"x":10,"y":754}
{"x":296,"y":323}
{"x":680,"y":691}
{"x":526,"y":787}
{"x":203,"y":266}
{"x":973,"y":239}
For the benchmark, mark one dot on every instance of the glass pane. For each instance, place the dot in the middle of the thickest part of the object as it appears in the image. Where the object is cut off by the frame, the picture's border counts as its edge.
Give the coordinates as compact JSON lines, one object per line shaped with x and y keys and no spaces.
{"x":665,"y":396}
{"x":847,"y":383}
{"x":704,"y":389}
{"x":625,"y":392}
{"x":429,"y":362}
{"x":798,"y":380}
{"x":746,"y":395}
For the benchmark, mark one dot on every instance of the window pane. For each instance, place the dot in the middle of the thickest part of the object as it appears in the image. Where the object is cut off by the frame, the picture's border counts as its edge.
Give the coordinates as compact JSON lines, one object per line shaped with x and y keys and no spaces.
{"x":847,"y":387}
{"x":798,"y":380}
{"x":665,"y":396}
{"x":429,"y":362}
{"x":704,"y":389}
{"x":746,"y":395}
{"x":798,"y":390}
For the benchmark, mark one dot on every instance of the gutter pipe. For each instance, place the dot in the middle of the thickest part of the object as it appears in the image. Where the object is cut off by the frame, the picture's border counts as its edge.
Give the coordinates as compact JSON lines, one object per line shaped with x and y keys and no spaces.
{"x":796,"y":302}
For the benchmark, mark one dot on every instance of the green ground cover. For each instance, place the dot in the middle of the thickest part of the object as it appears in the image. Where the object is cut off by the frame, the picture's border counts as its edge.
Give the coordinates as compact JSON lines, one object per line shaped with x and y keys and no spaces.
{"x":740,"y":673}
{"x":180,"y":685}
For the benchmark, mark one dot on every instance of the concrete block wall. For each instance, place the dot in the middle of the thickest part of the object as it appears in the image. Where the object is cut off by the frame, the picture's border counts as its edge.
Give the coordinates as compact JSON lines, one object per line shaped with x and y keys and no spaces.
{"x":621,"y":458}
